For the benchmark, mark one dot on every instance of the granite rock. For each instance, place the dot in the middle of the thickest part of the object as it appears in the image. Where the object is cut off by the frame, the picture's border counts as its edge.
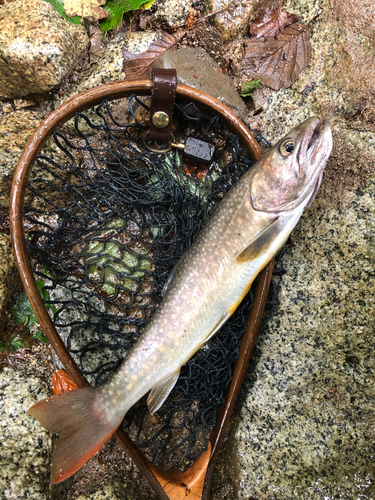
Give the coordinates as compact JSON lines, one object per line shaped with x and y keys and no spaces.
{"x":335,"y":86}
{"x":173,"y":12}
{"x":197,"y":69}
{"x":233,"y":18}
{"x":9,"y":278}
{"x":16,"y":128}
{"x":38,"y":48}
{"x":108,"y":492}
{"x":25,"y":457}
{"x":109,"y":68}
{"x":306,"y":426}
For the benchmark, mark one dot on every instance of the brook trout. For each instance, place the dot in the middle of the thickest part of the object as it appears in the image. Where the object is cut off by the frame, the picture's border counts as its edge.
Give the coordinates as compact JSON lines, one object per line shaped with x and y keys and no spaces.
{"x":247,"y":229}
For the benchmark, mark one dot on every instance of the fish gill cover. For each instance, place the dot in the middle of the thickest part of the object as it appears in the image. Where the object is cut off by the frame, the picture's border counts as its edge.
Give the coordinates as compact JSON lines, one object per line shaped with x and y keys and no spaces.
{"x":107,"y":222}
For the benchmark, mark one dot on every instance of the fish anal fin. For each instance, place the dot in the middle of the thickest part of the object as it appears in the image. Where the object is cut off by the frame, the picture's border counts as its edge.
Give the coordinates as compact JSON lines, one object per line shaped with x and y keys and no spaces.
{"x":255,"y":248}
{"x":217,"y":327}
{"x":160,"y":393}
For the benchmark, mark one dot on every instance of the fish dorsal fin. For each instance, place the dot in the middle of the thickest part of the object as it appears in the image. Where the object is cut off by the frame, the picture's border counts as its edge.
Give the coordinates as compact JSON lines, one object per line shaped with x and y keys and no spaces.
{"x":160,"y":393}
{"x":257,"y":245}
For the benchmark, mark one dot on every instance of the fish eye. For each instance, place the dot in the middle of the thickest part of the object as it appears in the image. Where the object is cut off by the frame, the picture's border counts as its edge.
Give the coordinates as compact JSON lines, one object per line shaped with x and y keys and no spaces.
{"x":287,"y":147}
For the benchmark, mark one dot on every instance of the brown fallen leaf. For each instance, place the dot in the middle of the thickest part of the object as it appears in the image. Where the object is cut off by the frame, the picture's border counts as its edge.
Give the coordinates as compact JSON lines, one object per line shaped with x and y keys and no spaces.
{"x":96,"y":49}
{"x":85,"y":8}
{"x":272,"y":21}
{"x":138,"y":65}
{"x":61,"y":382}
{"x":278,"y":61}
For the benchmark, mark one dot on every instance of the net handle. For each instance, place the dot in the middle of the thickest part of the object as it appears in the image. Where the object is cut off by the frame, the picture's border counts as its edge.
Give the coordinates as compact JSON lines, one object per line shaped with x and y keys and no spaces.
{"x":78,"y":103}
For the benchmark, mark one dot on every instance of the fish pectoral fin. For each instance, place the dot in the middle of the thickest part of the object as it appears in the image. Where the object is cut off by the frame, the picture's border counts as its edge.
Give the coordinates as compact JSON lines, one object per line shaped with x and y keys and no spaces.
{"x":160,"y":393}
{"x":258,"y":244}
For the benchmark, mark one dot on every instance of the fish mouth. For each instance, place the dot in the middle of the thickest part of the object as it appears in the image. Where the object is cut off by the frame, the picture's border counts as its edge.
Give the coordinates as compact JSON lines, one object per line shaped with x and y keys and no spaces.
{"x":313,"y":140}
{"x":314,"y":136}
{"x":318,"y":143}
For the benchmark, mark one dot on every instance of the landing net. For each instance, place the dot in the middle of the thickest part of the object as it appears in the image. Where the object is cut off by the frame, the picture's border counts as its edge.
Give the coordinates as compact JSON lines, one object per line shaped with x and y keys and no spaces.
{"x":106,"y":220}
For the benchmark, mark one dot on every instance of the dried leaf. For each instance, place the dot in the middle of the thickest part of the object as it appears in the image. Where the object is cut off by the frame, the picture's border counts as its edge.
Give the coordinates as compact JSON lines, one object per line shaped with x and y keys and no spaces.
{"x":96,"y":49}
{"x":138,"y":65}
{"x":272,"y":22}
{"x":279,"y":61}
{"x":61,"y":382}
{"x":85,"y":8}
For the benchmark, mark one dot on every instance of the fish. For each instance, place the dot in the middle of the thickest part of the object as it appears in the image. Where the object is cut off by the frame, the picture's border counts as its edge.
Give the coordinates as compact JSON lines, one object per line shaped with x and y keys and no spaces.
{"x":247,"y":229}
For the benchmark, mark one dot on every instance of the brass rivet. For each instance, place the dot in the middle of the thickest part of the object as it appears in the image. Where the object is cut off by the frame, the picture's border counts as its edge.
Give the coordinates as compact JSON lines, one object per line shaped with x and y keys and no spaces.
{"x":160,"y":119}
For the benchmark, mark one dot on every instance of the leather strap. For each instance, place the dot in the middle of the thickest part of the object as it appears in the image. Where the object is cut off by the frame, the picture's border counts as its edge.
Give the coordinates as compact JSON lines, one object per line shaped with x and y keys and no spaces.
{"x":162,"y":102}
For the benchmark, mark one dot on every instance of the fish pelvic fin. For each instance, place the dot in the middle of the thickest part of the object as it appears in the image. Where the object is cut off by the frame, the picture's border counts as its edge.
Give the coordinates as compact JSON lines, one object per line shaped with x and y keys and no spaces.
{"x":83,"y":423}
{"x":255,"y":248}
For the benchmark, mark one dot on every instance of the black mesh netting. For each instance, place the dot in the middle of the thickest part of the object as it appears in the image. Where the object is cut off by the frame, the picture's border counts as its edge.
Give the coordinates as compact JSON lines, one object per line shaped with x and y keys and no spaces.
{"x":106,"y":219}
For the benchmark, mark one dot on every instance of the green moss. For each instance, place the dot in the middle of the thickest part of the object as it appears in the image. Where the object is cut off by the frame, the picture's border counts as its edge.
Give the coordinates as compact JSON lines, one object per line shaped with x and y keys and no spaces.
{"x":114,"y":267}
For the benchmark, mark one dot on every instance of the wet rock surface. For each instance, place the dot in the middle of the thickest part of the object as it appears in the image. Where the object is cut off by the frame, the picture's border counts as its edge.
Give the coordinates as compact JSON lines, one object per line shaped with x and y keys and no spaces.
{"x":304,"y":426}
{"x":233,"y":18}
{"x":198,"y":70}
{"x":37,"y":48}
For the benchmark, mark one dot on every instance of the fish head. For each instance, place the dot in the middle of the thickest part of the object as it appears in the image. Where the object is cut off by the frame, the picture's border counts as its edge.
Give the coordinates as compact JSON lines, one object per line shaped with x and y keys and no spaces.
{"x":289,"y":174}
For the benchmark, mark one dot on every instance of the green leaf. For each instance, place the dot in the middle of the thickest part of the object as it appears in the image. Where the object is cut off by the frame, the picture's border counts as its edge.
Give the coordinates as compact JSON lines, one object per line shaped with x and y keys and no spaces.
{"x":59,"y":6}
{"x":149,"y":4}
{"x":39,"y":335}
{"x":116,"y":10}
{"x":249,"y":87}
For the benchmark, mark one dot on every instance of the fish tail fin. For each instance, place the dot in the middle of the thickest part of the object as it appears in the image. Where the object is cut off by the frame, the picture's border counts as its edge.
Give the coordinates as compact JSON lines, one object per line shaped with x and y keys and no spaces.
{"x":83,"y":422}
